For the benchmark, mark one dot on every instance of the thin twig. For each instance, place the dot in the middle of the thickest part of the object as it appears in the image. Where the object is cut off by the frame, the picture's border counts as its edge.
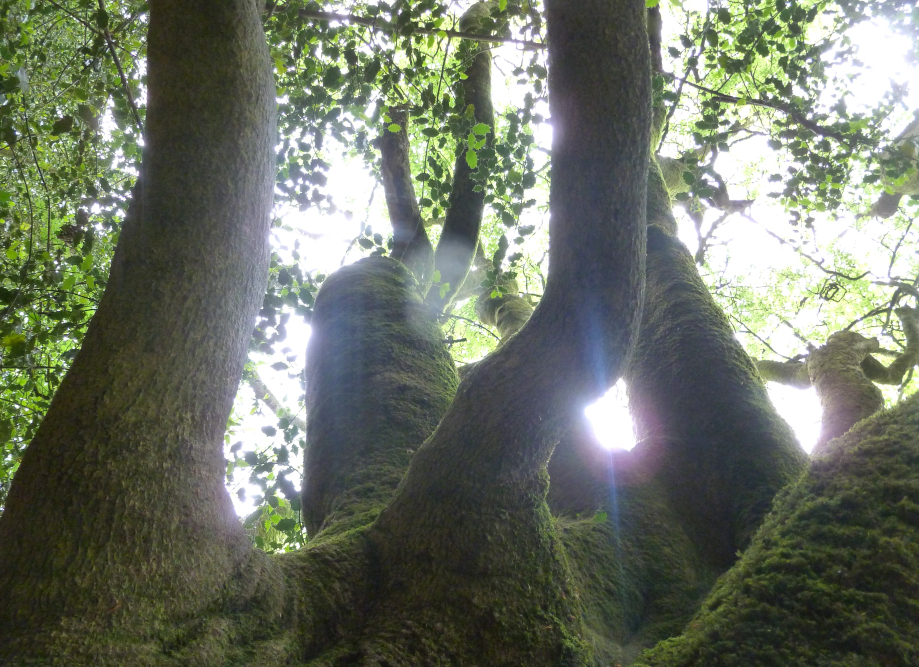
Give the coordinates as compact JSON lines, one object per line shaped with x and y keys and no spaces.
{"x":378,"y":24}
{"x":909,"y":289}
{"x":76,"y":18}
{"x":748,"y":330}
{"x":796,"y":115}
{"x":124,"y":79}
{"x":817,"y":262}
{"x":476,"y":324}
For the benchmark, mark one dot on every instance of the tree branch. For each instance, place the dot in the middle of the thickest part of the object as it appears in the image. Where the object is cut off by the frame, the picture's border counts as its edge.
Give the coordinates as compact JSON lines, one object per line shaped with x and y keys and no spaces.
{"x":459,"y":239}
{"x":379,"y":24}
{"x":410,"y":242}
{"x":266,"y":396}
{"x":796,"y":115}
{"x":795,"y":373}
{"x":124,"y":79}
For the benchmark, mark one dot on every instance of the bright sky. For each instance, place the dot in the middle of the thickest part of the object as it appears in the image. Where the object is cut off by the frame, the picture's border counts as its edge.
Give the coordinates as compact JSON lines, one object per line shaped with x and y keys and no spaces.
{"x":326,"y":238}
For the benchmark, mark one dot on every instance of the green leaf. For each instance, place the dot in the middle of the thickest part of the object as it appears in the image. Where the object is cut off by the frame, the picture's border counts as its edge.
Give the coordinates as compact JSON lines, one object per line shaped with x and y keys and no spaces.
{"x":270,"y":431}
{"x":87,"y":263}
{"x":444,"y":289}
{"x":502,"y":5}
{"x":688,"y":177}
{"x":13,"y":339}
{"x":332,"y":77}
{"x":365,"y":243}
{"x":371,"y":71}
{"x":61,"y":126}
{"x":286,"y":525}
{"x":600,"y":517}
{"x":482,"y":128}
{"x":651,"y":3}
{"x":436,"y":277}
{"x":395,"y":127}
{"x":68,"y":283}
{"x":472,"y":159}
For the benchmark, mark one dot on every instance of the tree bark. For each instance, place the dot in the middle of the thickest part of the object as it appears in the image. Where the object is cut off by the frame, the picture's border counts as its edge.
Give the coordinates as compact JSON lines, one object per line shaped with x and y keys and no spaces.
{"x":379,"y":379}
{"x":411,"y":245}
{"x":831,"y":578}
{"x":118,"y":519}
{"x":459,"y":239}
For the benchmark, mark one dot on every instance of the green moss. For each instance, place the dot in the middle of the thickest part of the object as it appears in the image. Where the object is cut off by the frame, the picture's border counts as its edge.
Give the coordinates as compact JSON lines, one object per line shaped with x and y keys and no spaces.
{"x":379,"y":379}
{"x":638,"y":575}
{"x":721,"y":450}
{"x":832,"y":578}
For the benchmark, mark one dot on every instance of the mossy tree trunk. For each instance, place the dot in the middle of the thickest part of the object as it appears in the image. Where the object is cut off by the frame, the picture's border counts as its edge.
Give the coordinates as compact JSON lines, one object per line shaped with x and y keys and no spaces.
{"x":433,"y":542}
{"x":118,"y":517}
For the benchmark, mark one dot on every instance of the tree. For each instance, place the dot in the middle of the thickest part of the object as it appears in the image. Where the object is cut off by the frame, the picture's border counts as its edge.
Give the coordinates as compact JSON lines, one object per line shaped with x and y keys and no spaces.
{"x":432,"y":541}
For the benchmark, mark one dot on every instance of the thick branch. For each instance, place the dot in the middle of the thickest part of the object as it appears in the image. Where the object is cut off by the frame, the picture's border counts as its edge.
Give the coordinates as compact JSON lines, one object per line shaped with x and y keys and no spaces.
{"x":458,"y":241}
{"x":140,"y":529}
{"x":573,"y":347}
{"x":507,"y":313}
{"x":846,"y":395}
{"x":411,"y":244}
{"x":792,"y":373}
{"x":795,"y":373}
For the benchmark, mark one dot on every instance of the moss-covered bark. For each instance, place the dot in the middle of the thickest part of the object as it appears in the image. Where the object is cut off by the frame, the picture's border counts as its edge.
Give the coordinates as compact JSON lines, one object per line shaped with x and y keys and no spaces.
{"x":411,"y":245}
{"x":638,"y":575}
{"x":846,"y":395}
{"x":379,"y":379}
{"x":832,"y":578}
{"x":118,"y":520}
{"x":697,"y":401}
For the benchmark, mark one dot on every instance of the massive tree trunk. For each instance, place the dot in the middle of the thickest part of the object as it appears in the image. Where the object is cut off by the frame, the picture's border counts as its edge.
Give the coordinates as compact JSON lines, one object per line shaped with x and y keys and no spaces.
{"x":432,"y":541}
{"x":118,"y":519}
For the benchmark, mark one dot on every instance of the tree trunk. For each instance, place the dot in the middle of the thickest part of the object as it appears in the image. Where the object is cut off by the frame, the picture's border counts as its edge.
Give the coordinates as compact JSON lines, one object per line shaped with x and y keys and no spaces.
{"x":379,"y":379}
{"x":831,"y":578}
{"x":118,"y":520}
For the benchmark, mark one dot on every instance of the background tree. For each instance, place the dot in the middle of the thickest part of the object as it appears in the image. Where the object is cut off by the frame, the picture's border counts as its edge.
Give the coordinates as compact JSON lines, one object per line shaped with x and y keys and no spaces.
{"x":460,"y":561}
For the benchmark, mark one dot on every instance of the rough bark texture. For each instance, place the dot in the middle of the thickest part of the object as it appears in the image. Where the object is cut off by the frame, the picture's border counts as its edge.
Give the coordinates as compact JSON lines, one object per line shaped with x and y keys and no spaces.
{"x":118,"y":519}
{"x":379,"y":379}
{"x":846,"y":395}
{"x":696,"y":399}
{"x":471,"y":569}
{"x":638,"y":574}
{"x":831,"y":578}
{"x":507,"y":313}
{"x":676,"y":508}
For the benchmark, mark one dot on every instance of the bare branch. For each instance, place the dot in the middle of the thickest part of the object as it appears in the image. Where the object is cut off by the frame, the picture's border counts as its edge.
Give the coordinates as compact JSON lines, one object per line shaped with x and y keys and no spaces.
{"x":816,"y":262}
